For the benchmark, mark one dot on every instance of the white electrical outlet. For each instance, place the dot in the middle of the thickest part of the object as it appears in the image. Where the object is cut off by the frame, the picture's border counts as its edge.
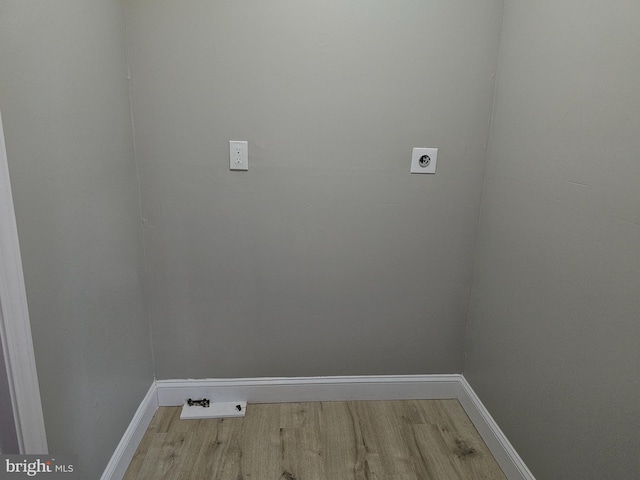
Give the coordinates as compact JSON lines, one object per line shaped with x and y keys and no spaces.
{"x":423,"y":160}
{"x":238,"y":155}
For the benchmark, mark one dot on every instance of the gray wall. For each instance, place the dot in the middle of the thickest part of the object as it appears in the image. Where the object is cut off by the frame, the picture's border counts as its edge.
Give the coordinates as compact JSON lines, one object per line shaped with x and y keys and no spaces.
{"x":554,"y":324}
{"x":327,"y":256}
{"x":65,"y":105}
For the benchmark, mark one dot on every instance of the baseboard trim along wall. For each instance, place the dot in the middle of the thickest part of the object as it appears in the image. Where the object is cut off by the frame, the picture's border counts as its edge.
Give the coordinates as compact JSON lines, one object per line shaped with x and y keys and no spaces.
{"x":496,"y":440}
{"x":166,"y":393}
{"x":117,"y":466}
{"x":309,"y":389}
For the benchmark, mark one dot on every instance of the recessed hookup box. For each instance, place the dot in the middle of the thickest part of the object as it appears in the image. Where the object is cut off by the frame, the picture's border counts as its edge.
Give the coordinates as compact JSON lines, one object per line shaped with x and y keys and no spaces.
{"x":204,"y":408}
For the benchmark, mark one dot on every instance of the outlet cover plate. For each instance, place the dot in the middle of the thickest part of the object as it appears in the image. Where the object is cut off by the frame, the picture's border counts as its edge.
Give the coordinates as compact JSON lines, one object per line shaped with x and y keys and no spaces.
{"x":238,"y":155}
{"x":429,"y":166}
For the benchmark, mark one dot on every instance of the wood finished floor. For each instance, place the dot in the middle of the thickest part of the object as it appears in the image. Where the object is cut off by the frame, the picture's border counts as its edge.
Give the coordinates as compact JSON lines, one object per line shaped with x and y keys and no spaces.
{"x":395,"y":440}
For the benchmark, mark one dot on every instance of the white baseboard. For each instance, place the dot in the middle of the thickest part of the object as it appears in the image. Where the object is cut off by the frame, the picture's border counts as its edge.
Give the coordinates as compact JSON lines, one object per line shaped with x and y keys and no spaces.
{"x":315,"y":389}
{"x":117,"y":466}
{"x":309,"y":389}
{"x":506,"y":456}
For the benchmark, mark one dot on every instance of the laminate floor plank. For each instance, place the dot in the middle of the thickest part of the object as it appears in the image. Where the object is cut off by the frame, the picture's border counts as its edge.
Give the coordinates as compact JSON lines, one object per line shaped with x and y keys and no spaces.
{"x":261,"y":445}
{"x":387,"y":454}
{"x":357,"y":440}
{"x":216,"y":451}
{"x":165,"y":455}
{"x":302,"y":445}
{"x":339,"y":442}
